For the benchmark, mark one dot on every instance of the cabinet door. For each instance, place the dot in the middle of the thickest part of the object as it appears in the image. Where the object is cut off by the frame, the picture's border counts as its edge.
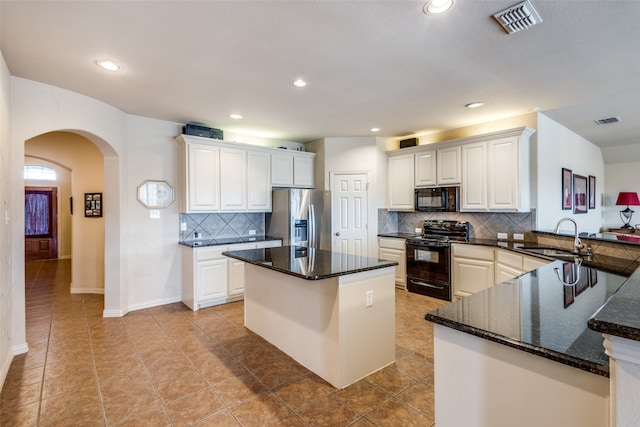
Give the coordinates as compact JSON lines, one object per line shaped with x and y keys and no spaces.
{"x":236,"y":277}
{"x":400,"y":184}
{"x":282,"y":170}
{"x":449,"y":172}
{"x":503,"y":176}
{"x":211,"y":279}
{"x":303,"y":171}
{"x":425,"y":168}
{"x":505,"y":272}
{"x":233,"y":179}
{"x":474,"y":177}
{"x":532,"y":263}
{"x":258,"y":181}
{"x":203,"y":186}
{"x":399,"y":257}
{"x":471,"y":276}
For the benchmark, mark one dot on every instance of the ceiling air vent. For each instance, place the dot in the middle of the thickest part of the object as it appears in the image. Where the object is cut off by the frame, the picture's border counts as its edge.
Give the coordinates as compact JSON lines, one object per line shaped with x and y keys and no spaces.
{"x":608,"y":120}
{"x":518,"y":17}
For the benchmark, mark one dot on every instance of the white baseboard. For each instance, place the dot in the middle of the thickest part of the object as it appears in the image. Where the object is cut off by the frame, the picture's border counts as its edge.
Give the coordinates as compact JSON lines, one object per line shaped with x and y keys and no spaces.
{"x":113,"y":313}
{"x":65,"y":257}
{"x":155,"y":303}
{"x":99,"y":291}
{"x":20,"y":349}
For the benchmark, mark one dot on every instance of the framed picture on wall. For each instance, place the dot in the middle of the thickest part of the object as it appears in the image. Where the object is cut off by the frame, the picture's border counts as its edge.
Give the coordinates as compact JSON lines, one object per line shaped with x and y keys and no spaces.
{"x":580,"y":194}
{"x":92,"y":205}
{"x":592,"y":192}
{"x":567,"y":193}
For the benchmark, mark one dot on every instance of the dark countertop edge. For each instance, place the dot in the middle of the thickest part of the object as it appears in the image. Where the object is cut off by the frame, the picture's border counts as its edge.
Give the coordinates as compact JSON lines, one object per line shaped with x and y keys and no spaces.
{"x":203,"y":243}
{"x":230,"y":254}
{"x":615,"y":329}
{"x":397,"y":235}
{"x":594,"y":368}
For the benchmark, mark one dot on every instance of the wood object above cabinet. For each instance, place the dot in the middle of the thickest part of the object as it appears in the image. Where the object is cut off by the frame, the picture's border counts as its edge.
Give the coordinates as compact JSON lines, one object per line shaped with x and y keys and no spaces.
{"x":221,"y":176}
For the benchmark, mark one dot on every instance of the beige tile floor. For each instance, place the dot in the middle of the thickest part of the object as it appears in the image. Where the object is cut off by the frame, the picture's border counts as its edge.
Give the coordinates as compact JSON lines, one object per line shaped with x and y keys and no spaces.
{"x":169,"y":366}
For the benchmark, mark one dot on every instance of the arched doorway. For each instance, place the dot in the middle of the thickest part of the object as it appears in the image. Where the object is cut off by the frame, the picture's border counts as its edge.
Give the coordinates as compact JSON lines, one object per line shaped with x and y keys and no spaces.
{"x":92,"y":162}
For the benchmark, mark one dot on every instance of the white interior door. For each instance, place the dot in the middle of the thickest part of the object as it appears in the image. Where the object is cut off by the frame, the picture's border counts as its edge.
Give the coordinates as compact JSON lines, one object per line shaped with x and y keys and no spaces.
{"x":350,"y":207}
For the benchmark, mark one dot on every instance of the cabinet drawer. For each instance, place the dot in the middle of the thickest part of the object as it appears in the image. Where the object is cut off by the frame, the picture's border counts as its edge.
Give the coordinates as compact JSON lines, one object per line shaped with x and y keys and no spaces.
{"x":391,"y":243}
{"x":473,"y":251}
{"x":510,"y":259}
{"x":204,"y":254}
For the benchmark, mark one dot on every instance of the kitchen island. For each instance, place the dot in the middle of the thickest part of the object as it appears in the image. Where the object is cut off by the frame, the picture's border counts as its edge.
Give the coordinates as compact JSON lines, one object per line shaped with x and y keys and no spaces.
{"x":521,"y":353}
{"x":333,"y":313}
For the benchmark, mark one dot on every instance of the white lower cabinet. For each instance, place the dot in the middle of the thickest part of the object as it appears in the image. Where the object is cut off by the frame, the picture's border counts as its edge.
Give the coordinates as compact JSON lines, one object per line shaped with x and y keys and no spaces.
{"x":472,"y":269}
{"x":393,"y":249}
{"x":476,"y":267}
{"x":210,"y":278}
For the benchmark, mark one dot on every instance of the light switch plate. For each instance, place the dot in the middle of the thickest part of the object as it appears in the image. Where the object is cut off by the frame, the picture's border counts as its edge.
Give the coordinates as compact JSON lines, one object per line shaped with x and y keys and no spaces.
{"x":502,"y":235}
{"x":252,"y":232}
{"x":154,"y":213}
{"x":518,"y":236}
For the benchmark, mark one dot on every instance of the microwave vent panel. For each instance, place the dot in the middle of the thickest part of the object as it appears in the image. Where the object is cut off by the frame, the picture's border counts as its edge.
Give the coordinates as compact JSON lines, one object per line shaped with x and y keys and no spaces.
{"x":608,"y":120}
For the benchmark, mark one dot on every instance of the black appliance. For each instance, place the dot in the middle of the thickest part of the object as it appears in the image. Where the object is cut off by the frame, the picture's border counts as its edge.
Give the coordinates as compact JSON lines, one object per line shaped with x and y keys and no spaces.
{"x":437,"y":199}
{"x":199,"y":130}
{"x":429,"y":257}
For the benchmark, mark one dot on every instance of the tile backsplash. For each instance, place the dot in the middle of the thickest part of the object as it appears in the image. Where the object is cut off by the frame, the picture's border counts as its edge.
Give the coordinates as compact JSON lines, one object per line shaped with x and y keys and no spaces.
{"x":221,"y":226}
{"x":482,"y":225}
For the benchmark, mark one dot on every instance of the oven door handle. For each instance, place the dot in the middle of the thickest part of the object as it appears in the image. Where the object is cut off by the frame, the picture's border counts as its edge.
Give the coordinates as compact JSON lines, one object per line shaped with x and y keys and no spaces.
{"x":428,"y":285}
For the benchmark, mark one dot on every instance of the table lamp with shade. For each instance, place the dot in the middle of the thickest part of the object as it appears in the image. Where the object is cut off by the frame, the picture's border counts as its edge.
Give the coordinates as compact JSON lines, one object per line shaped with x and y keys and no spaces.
{"x":630,"y":199}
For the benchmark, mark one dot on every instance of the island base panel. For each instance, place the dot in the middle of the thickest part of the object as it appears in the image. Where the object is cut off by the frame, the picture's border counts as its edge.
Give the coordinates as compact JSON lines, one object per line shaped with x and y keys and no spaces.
{"x":482,"y":383}
{"x":324,"y":324}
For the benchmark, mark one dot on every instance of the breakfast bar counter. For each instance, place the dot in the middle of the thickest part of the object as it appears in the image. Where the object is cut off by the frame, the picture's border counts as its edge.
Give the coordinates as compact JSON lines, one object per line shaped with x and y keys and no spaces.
{"x":333,"y":313}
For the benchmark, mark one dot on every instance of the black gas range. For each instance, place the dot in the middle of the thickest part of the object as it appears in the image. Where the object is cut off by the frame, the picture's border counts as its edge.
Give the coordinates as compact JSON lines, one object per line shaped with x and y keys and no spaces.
{"x":429,"y":257}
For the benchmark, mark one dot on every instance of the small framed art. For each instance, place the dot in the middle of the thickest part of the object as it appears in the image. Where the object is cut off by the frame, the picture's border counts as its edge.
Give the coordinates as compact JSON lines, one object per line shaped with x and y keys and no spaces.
{"x":567,"y":193}
{"x":92,"y":205}
{"x":592,"y":192}
{"x":580,"y":194}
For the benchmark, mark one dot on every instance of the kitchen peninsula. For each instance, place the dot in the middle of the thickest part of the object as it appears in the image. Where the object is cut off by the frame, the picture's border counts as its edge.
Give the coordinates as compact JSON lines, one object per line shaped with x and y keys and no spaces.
{"x":333,"y":313}
{"x":521,"y":353}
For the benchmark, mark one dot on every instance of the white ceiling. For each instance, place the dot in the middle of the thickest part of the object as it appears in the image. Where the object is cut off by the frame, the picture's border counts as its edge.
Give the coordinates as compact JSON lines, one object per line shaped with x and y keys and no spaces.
{"x":370,"y":63}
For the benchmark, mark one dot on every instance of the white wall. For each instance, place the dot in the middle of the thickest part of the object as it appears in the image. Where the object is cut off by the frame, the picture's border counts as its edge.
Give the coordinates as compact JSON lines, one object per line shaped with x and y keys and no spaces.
{"x":620,"y":177}
{"x":355,"y":154}
{"x":9,"y":333}
{"x":557,"y":148}
{"x":63,"y":184}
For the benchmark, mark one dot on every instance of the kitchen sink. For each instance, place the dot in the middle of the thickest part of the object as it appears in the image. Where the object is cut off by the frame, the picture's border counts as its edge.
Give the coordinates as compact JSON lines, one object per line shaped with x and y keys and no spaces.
{"x":551,"y":252}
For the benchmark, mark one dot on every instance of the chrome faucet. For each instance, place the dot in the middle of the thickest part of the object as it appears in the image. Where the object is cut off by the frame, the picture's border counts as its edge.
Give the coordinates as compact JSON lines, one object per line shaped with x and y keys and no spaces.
{"x":577,"y":243}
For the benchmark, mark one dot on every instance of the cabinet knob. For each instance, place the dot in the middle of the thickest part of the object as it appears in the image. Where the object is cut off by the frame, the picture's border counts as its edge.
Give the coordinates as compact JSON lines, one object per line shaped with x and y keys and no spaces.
{"x":337,"y":233}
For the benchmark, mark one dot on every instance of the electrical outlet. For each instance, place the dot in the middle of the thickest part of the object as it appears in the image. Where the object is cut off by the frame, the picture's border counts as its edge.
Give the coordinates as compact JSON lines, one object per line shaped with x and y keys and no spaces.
{"x":417,"y":230}
{"x":183,"y":226}
{"x":154,"y":213}
{"x":369,"y":298}
{"x":502,"y":235}
{"x":252,"y":232}
{"x":518,"y":236}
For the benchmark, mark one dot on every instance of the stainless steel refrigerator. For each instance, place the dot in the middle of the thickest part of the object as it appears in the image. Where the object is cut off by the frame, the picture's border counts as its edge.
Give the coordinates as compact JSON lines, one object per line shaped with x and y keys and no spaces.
{"x":301,"y":217}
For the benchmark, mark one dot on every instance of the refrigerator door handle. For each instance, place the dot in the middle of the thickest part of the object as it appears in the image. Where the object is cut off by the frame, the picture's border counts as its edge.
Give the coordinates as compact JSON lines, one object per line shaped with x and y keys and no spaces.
{"x":312,"y":227}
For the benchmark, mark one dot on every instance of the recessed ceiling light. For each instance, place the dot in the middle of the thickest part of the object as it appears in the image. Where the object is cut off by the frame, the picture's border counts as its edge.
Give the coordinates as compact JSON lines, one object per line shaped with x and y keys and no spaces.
{"x":109,"y":65}
{"x":474,"y":104}
{"x":235,"y":116}
{"x":375,"y":129}
{"x":434,"y":7}
{"x":300,"y":83}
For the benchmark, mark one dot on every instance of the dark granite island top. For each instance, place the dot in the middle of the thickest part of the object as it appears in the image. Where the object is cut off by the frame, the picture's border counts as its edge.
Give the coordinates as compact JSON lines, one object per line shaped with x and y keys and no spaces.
{"x":309,"y":263}
{"x":538,"y":314}
{"x":226,"y":241}
{"x":620,"y":316}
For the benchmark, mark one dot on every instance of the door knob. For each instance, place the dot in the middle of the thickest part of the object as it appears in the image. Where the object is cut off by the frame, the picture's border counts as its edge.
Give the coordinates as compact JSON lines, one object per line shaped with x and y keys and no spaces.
{"x":338,"y":233}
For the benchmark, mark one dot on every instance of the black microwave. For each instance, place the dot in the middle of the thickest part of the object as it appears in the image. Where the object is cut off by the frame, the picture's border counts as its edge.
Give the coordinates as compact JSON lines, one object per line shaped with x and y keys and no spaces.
{"x":437,"y":199}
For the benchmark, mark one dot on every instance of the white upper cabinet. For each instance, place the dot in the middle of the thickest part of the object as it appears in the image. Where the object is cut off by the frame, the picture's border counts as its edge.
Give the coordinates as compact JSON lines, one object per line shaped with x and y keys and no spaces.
{"x":258,"y":181}
{"x":303,"y":171}
{"x":474,"y":177}
{"x":282,"y":170}
{"x":201,"y":186}
{"x":293,"y":169}
{"x":425,"y":168}
{"x":504,"y":178}
{"x":233,"y":179}
{"x":448,"y":162}
{"x":400,"y":183}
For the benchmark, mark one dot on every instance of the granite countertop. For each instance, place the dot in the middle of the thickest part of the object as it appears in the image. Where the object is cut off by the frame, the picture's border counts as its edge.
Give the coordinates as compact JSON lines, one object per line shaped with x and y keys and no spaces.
{"x":309,"y":263}
{"x":538,"y":314}
{"x":397,"y":235}
{"x":226,"y":241}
